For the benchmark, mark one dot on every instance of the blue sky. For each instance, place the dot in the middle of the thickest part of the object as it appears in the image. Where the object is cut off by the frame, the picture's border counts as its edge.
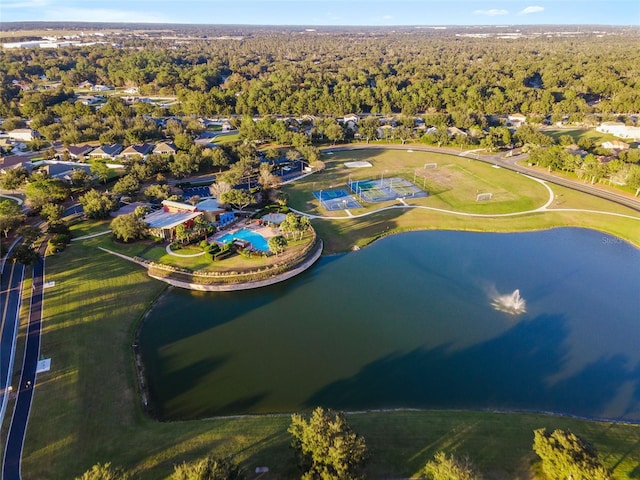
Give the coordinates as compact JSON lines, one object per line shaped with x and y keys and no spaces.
{"x":329,"y":12}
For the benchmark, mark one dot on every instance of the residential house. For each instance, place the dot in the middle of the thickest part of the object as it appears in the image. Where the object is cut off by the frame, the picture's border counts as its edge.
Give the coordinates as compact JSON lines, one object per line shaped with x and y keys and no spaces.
{"x":516,"y":119}
{"x":23,"y":134}
{"x":51,"y":86}
{"x":64,"y":170}
{"x":106,"y":151}
{"x":85,"y":85}
{"x":77,"y":152}
{"x":454,"y":131}
{"x":574,"y":149}
{"x":132,"y":90}
{"x":101,"y":88}
{"x":12,"y":161}
{"x":165,"y":148}
{"x":8,"y":145}
{"x":616,"y":145}
{"x":385,"y":131}
{"x":22,"y":85}
{"x":90,"y":99}
{"x":137,"y":150}
{"x":350,"y":118}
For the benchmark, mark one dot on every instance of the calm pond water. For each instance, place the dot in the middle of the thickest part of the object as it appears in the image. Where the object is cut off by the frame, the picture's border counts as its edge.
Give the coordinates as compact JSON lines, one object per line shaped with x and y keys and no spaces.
{"x":411,"y":322}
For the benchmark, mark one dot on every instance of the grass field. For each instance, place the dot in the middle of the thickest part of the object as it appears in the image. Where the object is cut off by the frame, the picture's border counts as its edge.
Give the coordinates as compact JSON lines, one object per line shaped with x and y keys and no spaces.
{"x":86,"y":408}
{"x":452,"y":186}
{"x":578,"y":133}
{"x":227,"y":138}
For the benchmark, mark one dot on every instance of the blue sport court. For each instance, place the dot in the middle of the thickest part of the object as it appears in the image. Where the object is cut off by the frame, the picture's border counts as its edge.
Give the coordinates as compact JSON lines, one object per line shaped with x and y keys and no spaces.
{"x":193,"y":191}
{"x":336,"y":199}
{"x":385,"y":189}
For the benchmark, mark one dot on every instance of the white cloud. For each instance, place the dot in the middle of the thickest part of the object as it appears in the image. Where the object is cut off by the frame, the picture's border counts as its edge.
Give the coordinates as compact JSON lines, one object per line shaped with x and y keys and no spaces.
{"x":27,"y":4}
{"x":387,"y":17}
{"x":531,"y":9}
{"x":105,"y":15}
{"x":494,"y":12}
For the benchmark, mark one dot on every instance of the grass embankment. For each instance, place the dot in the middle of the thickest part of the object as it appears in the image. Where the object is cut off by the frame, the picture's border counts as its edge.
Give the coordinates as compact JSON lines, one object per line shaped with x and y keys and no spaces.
{"x":452,"y":186}
{"x":86,"y":408}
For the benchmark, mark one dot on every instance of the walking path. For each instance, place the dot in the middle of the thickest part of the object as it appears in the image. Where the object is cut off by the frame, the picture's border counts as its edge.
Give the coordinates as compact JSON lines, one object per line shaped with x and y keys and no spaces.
{"x":90,"y":236}
{"x":15,"y":199}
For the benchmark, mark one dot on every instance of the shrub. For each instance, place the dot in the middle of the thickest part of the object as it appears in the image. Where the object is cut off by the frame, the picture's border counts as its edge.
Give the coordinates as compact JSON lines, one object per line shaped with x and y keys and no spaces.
{"x":58,"y":227}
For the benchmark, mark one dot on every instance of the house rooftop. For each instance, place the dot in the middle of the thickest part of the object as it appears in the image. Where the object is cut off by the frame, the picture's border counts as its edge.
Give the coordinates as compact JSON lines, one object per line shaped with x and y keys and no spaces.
{"x":11,"y":161}
{"x":163,"y":220}
{"x":178,"y":205}
{"x":209,"y":205}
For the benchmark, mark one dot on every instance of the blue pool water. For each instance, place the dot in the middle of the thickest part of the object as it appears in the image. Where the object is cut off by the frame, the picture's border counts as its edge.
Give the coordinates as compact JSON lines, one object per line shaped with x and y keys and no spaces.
{"x":255,"y":239}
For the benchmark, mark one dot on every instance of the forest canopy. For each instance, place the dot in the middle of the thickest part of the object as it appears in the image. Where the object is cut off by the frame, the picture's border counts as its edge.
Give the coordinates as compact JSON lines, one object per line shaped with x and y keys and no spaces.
{"x":331,"y":72}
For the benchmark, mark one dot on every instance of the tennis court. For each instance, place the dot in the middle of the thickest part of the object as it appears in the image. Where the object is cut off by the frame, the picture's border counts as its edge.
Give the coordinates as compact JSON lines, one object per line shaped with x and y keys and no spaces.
{"x":385,"y":189}
{"x":193,"y":191}
{"x":336,"y":199}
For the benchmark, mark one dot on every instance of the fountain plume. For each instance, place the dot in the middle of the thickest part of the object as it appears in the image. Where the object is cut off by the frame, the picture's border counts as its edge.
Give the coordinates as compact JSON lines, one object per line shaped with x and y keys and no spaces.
{"x":511,"y":303}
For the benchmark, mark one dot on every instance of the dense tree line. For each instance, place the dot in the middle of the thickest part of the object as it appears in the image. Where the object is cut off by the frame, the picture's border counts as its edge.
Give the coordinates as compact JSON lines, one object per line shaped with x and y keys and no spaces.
{"x":341,"y":72}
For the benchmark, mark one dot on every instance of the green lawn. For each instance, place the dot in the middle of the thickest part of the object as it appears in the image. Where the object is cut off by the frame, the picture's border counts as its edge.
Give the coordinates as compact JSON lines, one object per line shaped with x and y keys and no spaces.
{"x":82,"y":228}
{"x":453,"y":185}
{"x":86,"y":408}
{"x":578,"y":133}
{"x":227,"y":138}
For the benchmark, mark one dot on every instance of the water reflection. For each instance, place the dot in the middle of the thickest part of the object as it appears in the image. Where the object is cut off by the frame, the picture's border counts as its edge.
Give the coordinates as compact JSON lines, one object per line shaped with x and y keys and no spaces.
{"x":411,"y":322}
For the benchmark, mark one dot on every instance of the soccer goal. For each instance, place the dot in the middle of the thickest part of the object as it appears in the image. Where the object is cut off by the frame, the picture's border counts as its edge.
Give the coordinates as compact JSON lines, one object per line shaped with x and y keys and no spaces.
{"x":483,"y":197}
{"x":430,"y":165}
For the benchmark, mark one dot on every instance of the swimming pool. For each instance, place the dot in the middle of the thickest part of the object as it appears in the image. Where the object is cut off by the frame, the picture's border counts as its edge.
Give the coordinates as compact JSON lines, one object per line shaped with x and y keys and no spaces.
{"x":255,"y":239}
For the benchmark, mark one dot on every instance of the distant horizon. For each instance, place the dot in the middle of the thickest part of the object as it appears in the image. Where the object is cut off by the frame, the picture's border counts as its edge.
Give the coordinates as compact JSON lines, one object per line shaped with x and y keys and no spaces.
{"x":328,"y":13}
{"x":317,"y":26}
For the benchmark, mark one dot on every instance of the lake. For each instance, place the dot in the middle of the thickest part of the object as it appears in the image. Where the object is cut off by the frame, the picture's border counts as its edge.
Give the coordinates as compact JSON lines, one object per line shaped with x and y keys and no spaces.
{"x":413,"y":321}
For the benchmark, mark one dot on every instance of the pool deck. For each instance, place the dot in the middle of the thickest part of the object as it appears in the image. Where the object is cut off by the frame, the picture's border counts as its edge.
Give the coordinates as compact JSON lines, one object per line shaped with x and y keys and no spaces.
{"x":255,"y":226}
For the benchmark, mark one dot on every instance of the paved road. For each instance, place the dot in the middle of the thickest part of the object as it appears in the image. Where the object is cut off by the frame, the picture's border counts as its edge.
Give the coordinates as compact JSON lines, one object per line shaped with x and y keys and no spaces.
{"x":510,"y":164}
{"x":15,"y":440}
{"x":10,"y":293}
{"x":73,"y":209}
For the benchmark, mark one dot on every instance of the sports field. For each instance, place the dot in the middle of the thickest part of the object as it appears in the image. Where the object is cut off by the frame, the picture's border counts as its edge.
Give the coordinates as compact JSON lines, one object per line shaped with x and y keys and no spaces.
{"x":338,"y":199}
{"x":385,"y":189}
{"x":452,"y":185}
